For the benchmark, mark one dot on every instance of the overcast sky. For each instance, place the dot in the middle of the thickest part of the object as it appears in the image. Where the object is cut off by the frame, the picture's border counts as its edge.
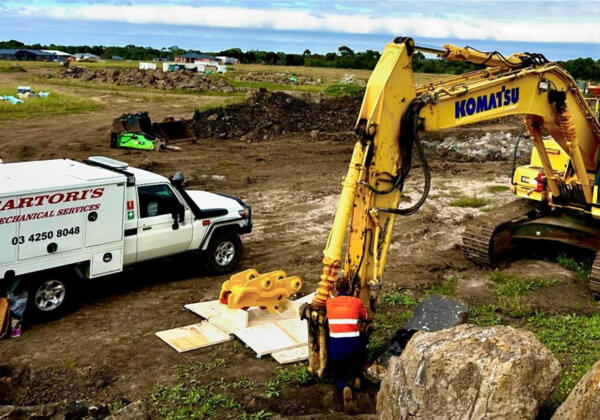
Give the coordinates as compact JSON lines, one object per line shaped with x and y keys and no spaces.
{"x":567,"y":28}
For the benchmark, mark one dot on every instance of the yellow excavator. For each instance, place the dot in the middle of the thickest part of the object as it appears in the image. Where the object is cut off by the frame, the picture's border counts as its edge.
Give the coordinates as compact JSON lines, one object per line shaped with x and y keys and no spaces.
{"x":557,"y":192}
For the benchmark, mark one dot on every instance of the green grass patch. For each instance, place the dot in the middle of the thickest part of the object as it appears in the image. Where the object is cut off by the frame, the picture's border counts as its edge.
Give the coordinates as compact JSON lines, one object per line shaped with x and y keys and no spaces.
{"x":395,"y":298}
{"x":339,"y":89}
{"x":581,"y":269}
{"x":57,"y":103}
{"x":191,"y":398}
{"x":446,"y":288}
{"x":497,"y":188}
{"x":484,"y":315}
{"x":295,"y":375}
{"x":192,"y":401}
{"x":514,"y":286}
{"x":12,"y":69}
{"x":574,"y":340}
{"x":474,"y":202}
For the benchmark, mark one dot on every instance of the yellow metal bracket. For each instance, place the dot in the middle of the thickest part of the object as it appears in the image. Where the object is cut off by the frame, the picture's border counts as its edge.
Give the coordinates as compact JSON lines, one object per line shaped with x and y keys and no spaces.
{"x":250,"y":288}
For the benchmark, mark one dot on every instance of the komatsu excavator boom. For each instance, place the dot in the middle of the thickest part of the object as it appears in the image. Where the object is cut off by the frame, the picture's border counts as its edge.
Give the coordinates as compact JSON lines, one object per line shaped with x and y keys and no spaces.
{"x":558,"y":190}
{"x":559,"y":187}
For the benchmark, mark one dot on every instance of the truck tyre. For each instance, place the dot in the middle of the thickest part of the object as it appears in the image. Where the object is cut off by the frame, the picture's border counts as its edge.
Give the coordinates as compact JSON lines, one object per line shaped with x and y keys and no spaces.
{"x":50,"y":295}
{"x":224,"y":252}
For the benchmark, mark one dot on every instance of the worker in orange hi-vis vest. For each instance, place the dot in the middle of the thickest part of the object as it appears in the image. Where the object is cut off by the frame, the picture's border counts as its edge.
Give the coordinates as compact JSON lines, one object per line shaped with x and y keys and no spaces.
{"x":347,"y":349}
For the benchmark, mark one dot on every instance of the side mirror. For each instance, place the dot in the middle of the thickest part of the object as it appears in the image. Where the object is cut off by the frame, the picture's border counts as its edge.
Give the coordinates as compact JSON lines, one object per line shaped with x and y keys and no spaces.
{"x":178,"y":216}
{"x":177,"y":179}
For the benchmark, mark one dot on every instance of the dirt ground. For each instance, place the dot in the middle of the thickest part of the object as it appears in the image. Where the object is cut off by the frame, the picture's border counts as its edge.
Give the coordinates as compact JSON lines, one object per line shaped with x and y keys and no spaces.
{"x":105,"y":349}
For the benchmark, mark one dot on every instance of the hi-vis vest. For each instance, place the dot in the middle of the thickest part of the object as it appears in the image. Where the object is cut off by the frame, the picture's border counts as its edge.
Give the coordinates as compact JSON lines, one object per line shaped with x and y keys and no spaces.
{"x":343,"y":313}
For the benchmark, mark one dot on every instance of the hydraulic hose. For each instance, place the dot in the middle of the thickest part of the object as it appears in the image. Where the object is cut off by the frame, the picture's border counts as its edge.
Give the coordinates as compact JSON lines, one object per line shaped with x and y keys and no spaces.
{"x":409,"y":136}
{"x":514,"y":165}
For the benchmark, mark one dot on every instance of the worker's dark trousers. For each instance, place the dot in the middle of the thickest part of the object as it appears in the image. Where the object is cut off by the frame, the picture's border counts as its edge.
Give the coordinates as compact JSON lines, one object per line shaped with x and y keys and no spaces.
{"x":346,"y":359}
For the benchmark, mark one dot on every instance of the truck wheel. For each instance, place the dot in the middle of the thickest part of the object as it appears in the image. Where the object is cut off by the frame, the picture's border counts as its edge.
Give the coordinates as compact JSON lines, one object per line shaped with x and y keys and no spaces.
{"x":49,"y":296}
{"x":224,"y":252}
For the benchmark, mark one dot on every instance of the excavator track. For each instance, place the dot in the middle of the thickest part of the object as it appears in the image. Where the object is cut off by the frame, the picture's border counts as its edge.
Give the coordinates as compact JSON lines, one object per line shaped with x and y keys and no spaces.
{"x":485,"y":238}
{"x":595,"y":276}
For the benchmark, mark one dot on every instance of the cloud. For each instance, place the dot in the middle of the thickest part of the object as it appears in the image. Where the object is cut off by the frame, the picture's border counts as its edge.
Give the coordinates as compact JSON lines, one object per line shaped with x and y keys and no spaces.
{"x":530,"y":27}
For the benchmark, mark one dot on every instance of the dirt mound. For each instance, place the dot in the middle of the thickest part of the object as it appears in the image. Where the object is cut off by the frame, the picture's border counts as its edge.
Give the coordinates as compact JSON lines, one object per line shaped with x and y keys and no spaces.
{"x":269,"y":114}
{"x":183,"y":79}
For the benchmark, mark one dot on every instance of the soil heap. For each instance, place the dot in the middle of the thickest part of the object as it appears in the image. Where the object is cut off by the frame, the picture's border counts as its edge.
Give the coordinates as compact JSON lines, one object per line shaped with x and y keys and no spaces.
{"x":183,"y":79}
{"x":268,"y":114}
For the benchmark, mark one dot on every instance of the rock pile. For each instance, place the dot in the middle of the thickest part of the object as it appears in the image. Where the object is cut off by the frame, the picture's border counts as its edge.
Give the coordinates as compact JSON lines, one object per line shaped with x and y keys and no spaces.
{"x":491,"y":146}
{"x":268,"y":114}
{"x":183,"y":79}
{"x":469,"y":372}
{"x":281,"y":77}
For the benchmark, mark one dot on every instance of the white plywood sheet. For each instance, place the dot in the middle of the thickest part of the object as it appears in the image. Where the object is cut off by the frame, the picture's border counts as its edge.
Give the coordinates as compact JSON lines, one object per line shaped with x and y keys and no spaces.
{"x":276,"y":336}
{"x":265,"y":339}
{"x":257,"y":316}
{"x":296,"y":328}
{"x":206,"y":310}
{"x":192,"y":337}
{"x":230,"y":320}
{"x":292,"y":355}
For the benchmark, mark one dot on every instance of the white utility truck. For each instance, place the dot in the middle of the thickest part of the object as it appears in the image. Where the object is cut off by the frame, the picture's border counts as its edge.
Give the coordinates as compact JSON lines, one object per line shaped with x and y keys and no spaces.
{"x":62,"y":220}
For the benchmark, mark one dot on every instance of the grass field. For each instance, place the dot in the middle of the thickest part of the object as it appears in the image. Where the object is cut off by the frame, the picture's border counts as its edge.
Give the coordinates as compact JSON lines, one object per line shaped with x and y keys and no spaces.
{"x":58,"y":103}
{"x":69,"y":96}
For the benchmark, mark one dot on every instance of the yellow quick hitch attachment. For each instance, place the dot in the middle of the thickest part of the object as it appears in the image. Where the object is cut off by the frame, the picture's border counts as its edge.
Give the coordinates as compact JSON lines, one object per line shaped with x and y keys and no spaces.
{"x":267,"y":291}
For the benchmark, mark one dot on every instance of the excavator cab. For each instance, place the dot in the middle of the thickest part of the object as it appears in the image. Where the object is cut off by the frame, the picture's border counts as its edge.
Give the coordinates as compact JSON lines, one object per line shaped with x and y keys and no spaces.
{"x":530,"y":181}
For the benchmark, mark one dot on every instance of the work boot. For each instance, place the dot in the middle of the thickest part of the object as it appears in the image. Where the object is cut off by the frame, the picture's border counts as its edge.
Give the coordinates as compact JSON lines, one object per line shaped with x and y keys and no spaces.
{"x":348,"y":403}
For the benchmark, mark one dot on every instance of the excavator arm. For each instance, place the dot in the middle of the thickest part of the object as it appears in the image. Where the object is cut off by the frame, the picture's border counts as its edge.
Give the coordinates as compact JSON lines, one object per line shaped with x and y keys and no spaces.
{"x":394,"y":111}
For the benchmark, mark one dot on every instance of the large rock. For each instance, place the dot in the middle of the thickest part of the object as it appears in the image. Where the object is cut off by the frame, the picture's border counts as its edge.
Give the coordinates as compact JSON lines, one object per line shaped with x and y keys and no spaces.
{"x":434,"y":314}
{"x":583,"y":402}
{"x":469,"y":372}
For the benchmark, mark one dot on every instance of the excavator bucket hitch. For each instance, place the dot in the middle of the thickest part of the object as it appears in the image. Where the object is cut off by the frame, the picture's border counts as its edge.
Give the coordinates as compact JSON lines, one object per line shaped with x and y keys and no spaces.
{"x":250,"y":288}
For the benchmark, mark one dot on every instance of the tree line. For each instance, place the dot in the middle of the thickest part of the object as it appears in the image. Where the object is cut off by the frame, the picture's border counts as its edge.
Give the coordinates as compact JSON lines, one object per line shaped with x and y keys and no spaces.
{"x":345,"y":57}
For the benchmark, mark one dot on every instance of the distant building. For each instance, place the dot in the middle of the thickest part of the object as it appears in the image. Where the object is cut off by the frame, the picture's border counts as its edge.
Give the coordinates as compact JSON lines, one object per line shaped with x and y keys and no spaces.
{"x":26,"y":55}
{"x":6,"y":54}
{"x":194,"y":58}
{"x":228,"y":60}
{"x":86,"y":57}
{"x":58,"y":53}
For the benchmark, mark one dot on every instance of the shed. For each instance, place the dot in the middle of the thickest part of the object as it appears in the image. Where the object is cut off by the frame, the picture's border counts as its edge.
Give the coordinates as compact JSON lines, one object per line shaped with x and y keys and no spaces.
{"x":194,"y":57}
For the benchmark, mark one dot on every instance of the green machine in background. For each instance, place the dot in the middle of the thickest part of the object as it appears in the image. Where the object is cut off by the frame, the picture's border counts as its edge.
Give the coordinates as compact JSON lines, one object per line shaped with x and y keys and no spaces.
{"x":129,"y":140}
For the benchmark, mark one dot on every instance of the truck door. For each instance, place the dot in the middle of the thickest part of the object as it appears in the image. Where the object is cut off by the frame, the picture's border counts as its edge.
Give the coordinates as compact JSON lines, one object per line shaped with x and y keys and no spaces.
{"x":157,"y":235}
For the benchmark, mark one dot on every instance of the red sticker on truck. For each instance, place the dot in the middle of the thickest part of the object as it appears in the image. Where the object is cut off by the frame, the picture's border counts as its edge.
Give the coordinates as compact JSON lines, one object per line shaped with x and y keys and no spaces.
{"x":45,"y":199}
